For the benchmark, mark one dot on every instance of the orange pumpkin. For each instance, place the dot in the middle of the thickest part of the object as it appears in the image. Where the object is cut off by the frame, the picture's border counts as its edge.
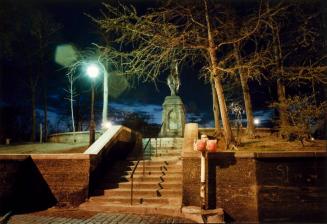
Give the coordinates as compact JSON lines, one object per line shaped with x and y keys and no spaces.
{"x":200,"y":145}
{"x":212,"y":145}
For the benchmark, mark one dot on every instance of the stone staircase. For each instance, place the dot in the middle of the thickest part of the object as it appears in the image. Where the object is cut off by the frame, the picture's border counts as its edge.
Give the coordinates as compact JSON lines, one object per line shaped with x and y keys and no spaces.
{"x":156,"y":189}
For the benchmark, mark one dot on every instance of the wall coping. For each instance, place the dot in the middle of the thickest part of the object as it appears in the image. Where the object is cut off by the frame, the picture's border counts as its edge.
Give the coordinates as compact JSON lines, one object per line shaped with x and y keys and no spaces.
{"x":14,"y":156}
{"x":106,"y":138}
{"x":60,"y":156}
{"x":22,"y":157}
{"x":70,"y":133}
{"x":258,"y":155}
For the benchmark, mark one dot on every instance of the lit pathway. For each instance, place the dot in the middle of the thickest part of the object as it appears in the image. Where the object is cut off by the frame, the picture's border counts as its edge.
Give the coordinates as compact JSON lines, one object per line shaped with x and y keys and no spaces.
{"x":76,"y":216}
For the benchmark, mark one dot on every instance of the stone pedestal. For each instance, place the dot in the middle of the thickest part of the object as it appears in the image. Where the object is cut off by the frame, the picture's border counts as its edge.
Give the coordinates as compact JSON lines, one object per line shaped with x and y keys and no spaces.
{"x":173,"y":117}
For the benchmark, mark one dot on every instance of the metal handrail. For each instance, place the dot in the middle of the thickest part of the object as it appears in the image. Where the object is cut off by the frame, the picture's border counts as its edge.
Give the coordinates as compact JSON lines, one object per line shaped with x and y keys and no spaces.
{"x":134,"y":169}
{"x":138,"y":161}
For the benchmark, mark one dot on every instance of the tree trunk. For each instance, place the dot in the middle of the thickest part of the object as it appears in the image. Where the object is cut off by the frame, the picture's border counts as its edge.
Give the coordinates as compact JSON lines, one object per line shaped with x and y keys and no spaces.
{"x":229,"y":138}
{"x":33,"y":90}
{"x":105,"y":97}
{"x":250,"y":129}
{"x":278,"y":56}
{"x":282,"y":107}
{"x":215,"y":107}
{"x":217,"y":80}
{"x":78,"y":114}
{"x":72,"y":102}
{"x":45,"y":108}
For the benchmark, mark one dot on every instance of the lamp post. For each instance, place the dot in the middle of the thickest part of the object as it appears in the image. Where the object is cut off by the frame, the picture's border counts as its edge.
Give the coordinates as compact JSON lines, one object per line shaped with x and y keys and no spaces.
{"x":92,"y":71}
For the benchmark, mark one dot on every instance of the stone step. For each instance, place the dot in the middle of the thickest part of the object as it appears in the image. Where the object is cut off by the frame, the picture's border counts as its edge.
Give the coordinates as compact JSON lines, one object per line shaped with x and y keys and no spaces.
{"x":147,"y":172}
{"x":148,"y":166}
{"x":167,"y":160}
{"x":164,"y":193}
{"x":139,"y":171}
{"x":126,"y":178}
{"x":146,"y":185}
{"x":162,"y":148}
{"x":137,"y":200}
{"x":161,"y":154}
{"x":171,"y":210}
{"x":127,"y":200}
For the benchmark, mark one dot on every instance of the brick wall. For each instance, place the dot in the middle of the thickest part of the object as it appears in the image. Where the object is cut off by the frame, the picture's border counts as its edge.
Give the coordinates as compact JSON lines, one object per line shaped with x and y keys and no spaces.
{"x":39,"y":181}
{"x":261,"y":187}
{"x":29,"y":183}
{"x":66,"y":175}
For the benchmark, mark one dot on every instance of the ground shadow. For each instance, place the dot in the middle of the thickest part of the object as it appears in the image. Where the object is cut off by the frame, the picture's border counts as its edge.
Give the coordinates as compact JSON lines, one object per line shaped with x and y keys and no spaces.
{"x":32,"y":192}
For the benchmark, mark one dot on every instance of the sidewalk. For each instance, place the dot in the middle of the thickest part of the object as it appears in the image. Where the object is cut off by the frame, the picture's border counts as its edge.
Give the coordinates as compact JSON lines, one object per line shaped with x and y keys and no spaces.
{"x":75,"y":216}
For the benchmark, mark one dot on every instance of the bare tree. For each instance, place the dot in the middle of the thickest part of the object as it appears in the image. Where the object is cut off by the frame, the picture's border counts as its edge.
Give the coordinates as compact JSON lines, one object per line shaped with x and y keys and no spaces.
{"x":181,"y":31}
{"x":72,"y":77}
{"x":43,"y":29}
{"x":296,"y":54}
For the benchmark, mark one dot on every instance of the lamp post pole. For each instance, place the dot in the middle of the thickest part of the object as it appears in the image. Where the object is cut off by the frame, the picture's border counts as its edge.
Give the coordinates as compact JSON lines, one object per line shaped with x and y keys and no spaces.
{"x":92,"y":122}
{"x":105,"y":98}
{"x":92,"y":71}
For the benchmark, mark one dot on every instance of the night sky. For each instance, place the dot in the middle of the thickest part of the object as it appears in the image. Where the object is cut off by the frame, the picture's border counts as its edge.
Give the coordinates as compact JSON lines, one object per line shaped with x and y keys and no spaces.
{"x":79,"y":30}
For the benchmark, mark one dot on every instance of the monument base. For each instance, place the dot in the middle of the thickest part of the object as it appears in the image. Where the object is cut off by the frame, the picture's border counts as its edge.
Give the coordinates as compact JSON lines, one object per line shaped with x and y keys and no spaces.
{"x":173,"y":117}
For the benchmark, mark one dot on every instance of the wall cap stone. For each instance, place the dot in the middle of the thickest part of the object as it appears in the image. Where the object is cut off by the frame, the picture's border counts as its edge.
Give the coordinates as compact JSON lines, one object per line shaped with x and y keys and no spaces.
{"x":295,"y":154}
{"x":14,"y":156}
{"x":60,"y":156}
{"x":106,"y":138}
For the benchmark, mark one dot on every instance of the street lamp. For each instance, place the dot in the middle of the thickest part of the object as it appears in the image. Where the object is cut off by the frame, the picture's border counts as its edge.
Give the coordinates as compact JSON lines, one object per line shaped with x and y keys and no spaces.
{"x":93,"y":71}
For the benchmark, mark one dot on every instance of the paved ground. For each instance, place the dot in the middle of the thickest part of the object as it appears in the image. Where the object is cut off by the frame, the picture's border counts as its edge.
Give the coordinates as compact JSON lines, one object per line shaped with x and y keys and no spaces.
{"x":59,"y":216}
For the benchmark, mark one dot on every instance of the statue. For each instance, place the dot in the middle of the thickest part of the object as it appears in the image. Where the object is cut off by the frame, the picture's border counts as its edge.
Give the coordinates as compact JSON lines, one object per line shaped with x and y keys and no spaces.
{"x":173,"y":79}
{"x":173,"y":114}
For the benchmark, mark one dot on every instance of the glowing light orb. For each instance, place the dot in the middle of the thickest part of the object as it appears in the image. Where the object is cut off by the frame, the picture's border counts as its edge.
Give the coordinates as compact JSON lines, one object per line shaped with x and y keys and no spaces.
{"x":106,"y":125}
{"x":92,"y":71}
{"x":65,"y":55}
{"x":256,"y":121}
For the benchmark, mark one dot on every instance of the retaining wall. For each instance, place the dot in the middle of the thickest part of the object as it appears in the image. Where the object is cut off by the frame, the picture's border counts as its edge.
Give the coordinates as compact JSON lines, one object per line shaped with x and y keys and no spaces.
{"x":39,"y":181}
{"x":259,"y":187}
{"x":71,"y":137}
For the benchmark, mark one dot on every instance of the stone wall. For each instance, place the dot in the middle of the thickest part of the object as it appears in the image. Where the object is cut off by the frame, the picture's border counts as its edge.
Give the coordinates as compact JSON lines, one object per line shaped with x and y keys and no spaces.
{"x":70,"y":137}
{"x":261,"y":187}
{"x":292,"y":188}
{"x":29,"y":183}
{"x":258,"y":187}
{"x":39,"y":181}
{"x":66,"y":175}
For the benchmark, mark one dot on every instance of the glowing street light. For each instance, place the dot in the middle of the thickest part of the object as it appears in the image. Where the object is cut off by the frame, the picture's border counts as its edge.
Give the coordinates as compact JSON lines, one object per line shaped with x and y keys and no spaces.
{"x":93,"y":71}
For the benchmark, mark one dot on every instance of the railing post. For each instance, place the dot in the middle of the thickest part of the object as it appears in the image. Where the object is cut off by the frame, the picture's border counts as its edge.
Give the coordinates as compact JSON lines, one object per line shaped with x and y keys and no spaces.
{"x":132,"y":191}
{"x":150,"y":150}
{"x":156,"y":148}
{"x":143,"y":162}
